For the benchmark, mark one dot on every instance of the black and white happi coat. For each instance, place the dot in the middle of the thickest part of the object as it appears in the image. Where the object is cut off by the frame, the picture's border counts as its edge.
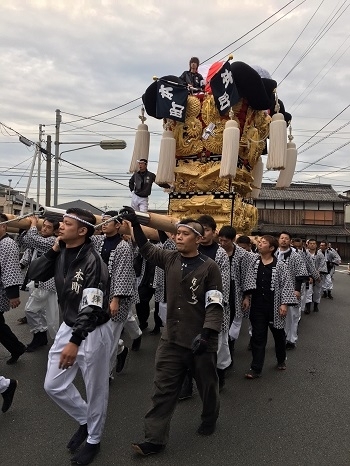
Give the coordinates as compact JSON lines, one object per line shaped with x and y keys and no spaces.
{"x":296,"y":266}
{"x":122,"y":275}
{"x":239,"y":267}
{"x":28,"y":256}
{"x":319,"y":261}
{"x":309,"y":263}
{"x":10,"y":271}
{"x":159,"y":275}
{"x":281,"y":285}
{"x":38,"y":245}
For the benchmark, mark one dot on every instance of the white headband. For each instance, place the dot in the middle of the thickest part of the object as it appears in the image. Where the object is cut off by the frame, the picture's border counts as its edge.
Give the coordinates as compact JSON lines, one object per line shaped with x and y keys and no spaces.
{"x":74,"y":217}
{"x":188,"y":226}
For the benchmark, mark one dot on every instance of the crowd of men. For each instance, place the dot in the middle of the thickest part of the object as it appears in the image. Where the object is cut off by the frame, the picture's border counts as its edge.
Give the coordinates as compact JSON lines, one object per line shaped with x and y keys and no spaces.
{"x":86,"y":283}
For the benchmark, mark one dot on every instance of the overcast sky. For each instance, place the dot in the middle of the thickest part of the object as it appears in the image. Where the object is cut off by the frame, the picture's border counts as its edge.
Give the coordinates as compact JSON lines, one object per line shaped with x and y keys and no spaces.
{"x":87,"y":57}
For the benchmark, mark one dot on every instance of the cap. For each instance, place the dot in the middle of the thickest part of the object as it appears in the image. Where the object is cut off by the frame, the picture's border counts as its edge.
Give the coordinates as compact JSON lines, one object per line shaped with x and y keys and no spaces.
{"x":143,"y":160}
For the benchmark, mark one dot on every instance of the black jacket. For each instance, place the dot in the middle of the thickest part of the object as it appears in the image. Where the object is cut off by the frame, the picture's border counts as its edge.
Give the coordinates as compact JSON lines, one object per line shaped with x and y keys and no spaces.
{"x":86,"y":271}
{"x":141,"y":183}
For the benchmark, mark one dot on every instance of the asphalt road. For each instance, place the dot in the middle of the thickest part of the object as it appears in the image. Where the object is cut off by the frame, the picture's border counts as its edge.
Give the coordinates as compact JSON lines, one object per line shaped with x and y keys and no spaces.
{"x":297,"y":417}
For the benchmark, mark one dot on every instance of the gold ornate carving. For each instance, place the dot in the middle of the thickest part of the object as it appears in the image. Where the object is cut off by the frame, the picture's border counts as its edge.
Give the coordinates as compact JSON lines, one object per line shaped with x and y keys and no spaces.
{"x":197,"y":176}
{"x":187,"y":136}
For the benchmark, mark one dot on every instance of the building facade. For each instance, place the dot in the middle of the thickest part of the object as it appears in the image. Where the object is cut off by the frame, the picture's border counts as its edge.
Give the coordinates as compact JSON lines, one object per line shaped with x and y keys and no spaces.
{"x":305,"y":211}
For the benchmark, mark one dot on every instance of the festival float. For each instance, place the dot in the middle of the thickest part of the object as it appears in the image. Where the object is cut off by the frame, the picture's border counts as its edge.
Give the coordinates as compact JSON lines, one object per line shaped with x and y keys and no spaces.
{"x":210,"y":152}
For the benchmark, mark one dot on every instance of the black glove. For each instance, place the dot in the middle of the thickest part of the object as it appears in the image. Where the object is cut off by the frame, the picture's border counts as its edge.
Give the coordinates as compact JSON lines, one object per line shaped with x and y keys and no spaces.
{"x":199,"y":344}
{"x":128,"y":213}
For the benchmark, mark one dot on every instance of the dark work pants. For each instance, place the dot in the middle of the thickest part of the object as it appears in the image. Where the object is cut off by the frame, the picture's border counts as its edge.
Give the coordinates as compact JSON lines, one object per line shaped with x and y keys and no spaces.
{"x":171,"y":364}
{"x":142,"y":308}
{"x":157,"y":320}
{"x":8,"y":339}
{"x":261,"y":322}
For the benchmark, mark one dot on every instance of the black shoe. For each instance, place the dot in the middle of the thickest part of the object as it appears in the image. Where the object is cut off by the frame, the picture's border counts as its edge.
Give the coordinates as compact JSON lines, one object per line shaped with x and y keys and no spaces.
{"x":147,"y":448}
{"x":8,"y":395}
{"x":290,"y":345}
{"x":281,"y":366}
{"x":121,"y":358}
{"x":155,"y":331}
{"x":325,"y":294}
{"x":39,"y":339}
{"x":330,"y":295}
{"x":86,"y":454}
{"x":136,"y":343}
{"x":14,"y":357}
{"x":316,"y":309}
{"x":143,"y":325}
{"x":78,"y":438}
{"x":206,"y":429}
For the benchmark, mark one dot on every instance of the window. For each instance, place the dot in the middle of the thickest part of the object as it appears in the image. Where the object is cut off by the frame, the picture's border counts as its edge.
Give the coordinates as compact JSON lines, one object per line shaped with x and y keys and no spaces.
{"x":312,"y":205}
{"x":289,"y":205}
{"x":279,"y":205}
{"x":260,"y":204}
{"x":299,"y":205}
{"x":326,"y":206}
{"x":270,"y":205}
{"x":317,"y":217}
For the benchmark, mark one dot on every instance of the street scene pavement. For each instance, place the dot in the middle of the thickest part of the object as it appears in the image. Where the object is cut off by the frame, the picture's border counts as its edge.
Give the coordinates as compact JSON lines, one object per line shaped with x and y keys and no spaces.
{"x":295,"y":417}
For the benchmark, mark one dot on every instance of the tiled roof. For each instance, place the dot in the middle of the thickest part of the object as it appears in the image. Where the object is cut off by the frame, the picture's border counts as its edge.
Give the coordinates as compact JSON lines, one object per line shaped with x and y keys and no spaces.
{"x":300,"y":192}
{"x":304,"y":230}
{"x":82,"y":205}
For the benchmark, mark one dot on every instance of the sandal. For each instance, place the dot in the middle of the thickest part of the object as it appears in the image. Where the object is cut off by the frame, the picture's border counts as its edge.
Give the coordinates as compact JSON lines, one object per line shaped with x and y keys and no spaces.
{"x":252,"y":374}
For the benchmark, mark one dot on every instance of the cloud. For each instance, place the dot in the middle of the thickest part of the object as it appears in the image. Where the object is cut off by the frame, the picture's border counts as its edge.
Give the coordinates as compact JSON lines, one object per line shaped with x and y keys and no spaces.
{"x":87,"y":57}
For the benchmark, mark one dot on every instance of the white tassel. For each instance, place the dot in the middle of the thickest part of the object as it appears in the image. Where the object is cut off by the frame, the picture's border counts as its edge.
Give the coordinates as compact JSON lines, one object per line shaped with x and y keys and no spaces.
{"x":286,"y":176}
{"x":167,"y":160}
{"x":230,"y":149}
{"x":257,"y":174}
{"x":141,"y":146}
{"x":277,"y":157}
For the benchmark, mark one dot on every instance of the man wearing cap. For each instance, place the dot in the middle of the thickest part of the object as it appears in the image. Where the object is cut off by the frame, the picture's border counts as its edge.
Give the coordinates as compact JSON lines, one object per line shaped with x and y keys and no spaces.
{"x":140,"y":185}
{"x":190,"y":336}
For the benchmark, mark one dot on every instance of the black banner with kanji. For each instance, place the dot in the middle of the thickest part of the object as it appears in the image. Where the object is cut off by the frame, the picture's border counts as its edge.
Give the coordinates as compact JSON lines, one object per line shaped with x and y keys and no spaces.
{"x":224,"y":89}
{"x":171,"y":100}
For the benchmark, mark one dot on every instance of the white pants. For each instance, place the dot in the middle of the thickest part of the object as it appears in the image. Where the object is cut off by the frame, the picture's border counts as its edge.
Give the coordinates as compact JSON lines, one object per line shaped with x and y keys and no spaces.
{"x":327,"y":284}
{"x":41,"y":311}
{"x":236,"y":328}
{"x":313,"y":294}
{"x":93,"y":361}
{"x":224,"y":356}
{"x":163,"y":312}
{"x":292,"y":320}
{"x":116,"y":329}
{"x":140,"y":204}
{"x":132,"y":327}
{"x":4,"y":384}
{"x":303,"y":296}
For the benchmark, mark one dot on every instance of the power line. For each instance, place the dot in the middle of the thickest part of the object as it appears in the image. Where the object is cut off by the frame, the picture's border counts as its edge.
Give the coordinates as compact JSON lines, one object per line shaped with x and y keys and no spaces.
{"x":315,"y":41}
{"x":296,"y":40}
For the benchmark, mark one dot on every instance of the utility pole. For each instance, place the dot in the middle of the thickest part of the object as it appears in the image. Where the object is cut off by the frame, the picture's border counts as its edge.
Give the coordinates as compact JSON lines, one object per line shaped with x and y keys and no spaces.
{"x":41,"y":132}
{"x":57,"y":154}
{"x":48,"y":171}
